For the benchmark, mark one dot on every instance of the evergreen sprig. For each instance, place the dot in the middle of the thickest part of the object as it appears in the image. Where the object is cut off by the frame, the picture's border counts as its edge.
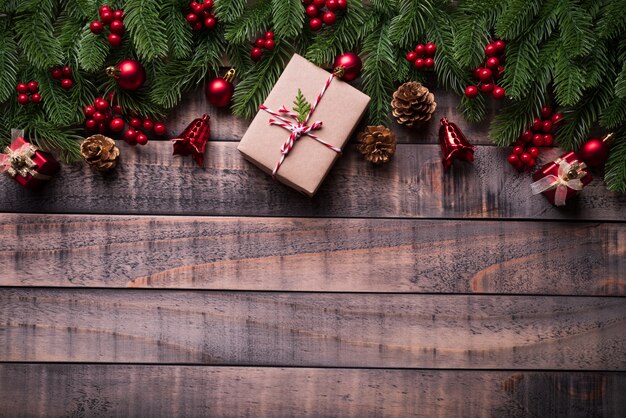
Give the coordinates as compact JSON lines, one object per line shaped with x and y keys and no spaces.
{"x":288,"y":18}
{"x":142,"y":18}
{"x":8,"y":61}
{"x":615,"y":169}
{"x":301,"y":106}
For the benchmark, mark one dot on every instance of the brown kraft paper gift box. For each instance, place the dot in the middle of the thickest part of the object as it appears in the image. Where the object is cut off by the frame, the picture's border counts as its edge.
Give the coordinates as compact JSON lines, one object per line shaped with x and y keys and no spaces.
{"x":307,"y":164}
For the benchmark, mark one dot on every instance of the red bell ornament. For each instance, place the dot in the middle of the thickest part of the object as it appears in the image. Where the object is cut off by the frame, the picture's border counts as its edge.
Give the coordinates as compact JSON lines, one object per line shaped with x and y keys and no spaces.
{"x":347,"y":66}
{"x":192,"y":141}
{"x":595,"y":151}
{"x":219,"y":91}
{"x":453,"y":144}
{"x":129,"y":74}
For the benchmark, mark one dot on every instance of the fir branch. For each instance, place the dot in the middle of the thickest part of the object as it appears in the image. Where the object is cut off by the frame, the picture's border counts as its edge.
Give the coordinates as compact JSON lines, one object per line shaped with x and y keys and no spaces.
{"x":8,"y":61}
{"x":615,"y":167}
{"x":516,"y":17}
{"x":576,"y":29}
{"x":620,"y":82}
{"x":179,"y":34}
{"x":142,"y":18}
{"x":137,"y":101}
{"x":301,"y":106}
{"x":92,"y":51}
{"x":58,"y":107}
{"x":474,"y":110}
{"x":569,"y":80}
{"x":449,"y":72}
{"x":239,"y":57}
{"x":613,"y":20}
{"x":410,"y":22}
{"x":257,"y":83}
{"x":614,"y":115}
{"x":521,"y":68}
{"x":229,"y":11}
{"x":35,"y":32}
{"x":250,"y":24}
{"x":53,"y":138}
{"x":475,"y":21}
{"x":288,"y":18}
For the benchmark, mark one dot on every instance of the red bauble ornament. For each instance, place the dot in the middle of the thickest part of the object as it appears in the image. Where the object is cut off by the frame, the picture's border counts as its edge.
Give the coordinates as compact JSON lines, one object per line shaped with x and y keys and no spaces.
{"x":347,"y":66}
{"x":595,"y":151}
{"x":219,"y":91}
{"x":453,"y":144}
{"x":130,"y":74}
{"x":471,"y":91}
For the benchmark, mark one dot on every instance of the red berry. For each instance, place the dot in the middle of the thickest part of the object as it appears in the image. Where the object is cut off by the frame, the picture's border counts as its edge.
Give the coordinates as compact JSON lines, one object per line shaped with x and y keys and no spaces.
{"x":500,"y":46}
{"x":106,"y":17}
{"x":191,"y":18}
{"x":22,"y":98}
{"x":147,"y":124}
{"x":332,"y":4}
{"x":90,"y":124}
{"x":525,"y":158}
{"x":101,"y":104}
{"x":197,"y":8}
{"x":526,"y":136}
{"x":96,"y":27}
{"x":429,"y":62}
{"x":269,"y":35}
{"x":67,"y":83}
{"x":486,"y":87}
{"x":33,"y":87}
{"x":533,"y":151}
{"x":499,"y":72}
{"x":490,"y":50}
{"x":311,"y":11}
{"x":430,"y":48}
{"x":315,"y":24}
{"x":196,"y":26}
{"x":102,"y":128}
{"x":329,"y":18}
{"x":537,"y":123}
{"x":256,"y":54}
{"x":118,"y":15}
{"x":210,"y":22}
{"x":419,"y":63}
{"x":115,"y":39}
{"x":514,"y":160}
{"x":142,"y":139}
{"x":548,"y":140}
{"x":411,"y":56}
{"x":485,"y":74}
{"x":546,"y":112}
{"x":259,"y":43}
{"x":160,"y":128}
{"x":56,"y":73}
{"x":135,"y":123}
{"x":476,"y":73}
{"x":269,"y":44}
{"x":99,"y":117}
{"x":546,"y":126}
{"x":538,"y":140}
{"x":117,"y":27}
{"x":498,"y":93}
{"x":319,"y":3}
{"x":116,"y":125}
{"x":129,"y":136}
{"x":493,"y":63}
{"x":471,"y":91}
{"x":89,"y":111}
{"x":22,"y":88}
{"x":556,"y":118}
{"x":67,"y":71}
{"x":103,"y":9}
{"x":343,"y":4}
{"x":420,"y":49}
{"x":208,"y":5}
{"x":519,"y":150}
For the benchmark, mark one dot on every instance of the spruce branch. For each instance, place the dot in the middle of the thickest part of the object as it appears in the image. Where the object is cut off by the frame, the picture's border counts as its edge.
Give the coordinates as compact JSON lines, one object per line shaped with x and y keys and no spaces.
{"x":92,"y":51}
{"x":8,"y":61}
{"x":179,"y":33}
{"x":58,"y":107}
{"x":54,"y":138}
{"x":521,"y":67}
{"x":613,"y":20}
{"x":569,"y":80}
{"x":229,"y":11}
{"x":614,"y":115}
{"x":516,"y":17}
{"x":449,"y":72}
{"x":288,"y":18}
{"x":615,"y":168}
{"x":620,"y":82}
{"x":474,"y":110}
{"x":250,"y":24}
{"x":35,"y":33}
{"x":576,"y":28}
{"x":137,"y":101}
{"x":301,"y":106}
{"x":142,"y":18}
{"x":411,"y":21}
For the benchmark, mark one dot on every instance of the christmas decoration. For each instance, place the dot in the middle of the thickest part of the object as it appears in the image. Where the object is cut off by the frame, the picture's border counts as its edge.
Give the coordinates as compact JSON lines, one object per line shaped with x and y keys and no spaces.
{"x":453,"y":143}
{"x":100,"y":152}
{"x":200,"y":15}
{"x":320,"y":16}
{"x":284,"y":142}
{"x":257,"y":48}
{"x":114,"y":20}
{"x":524,"y":155}
{"x":29,"y":166}
{"x":347,"y":66}
{"x":219,"y":91}
{"x":413,"y":104}
{"x":192,"y":141}
{"x":28,"y":92}
{"x":129,"y":74}
{"x":561,"y":179}
{"x":377,"y":144}
{"x":489,"y":74}
{"x":422,"y":56}
{"x":595,"y":151}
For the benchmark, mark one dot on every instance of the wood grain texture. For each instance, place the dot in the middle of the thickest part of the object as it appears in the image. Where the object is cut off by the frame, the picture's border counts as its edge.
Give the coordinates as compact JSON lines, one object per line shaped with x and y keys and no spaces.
{"x":97,"y":390}
{"x":313,"y":329}
{"x":225,"y":127}
{"x":414,"y":185}
{"x":377,"y":255}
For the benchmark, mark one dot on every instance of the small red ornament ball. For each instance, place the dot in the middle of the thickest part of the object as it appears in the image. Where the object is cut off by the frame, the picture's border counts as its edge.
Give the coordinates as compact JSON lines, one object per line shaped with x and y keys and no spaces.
{"x":141,"y":139}
{"x":537,"y":123}
{"x":513,"y":159}
{"x":118,"y":15}
{"x":594,"y":152}
{"x":259,"y":43}
{"x":485,"y":74}
{"x":22,"y":88}
{"x":147,"y":124}
{"x":106,"y":17}
{"x":219,"y":92}
{"x":22,"y":98}
{"x":269,"y":44}
{"x":411,"y":56}
{"x":329,"y":18}
{"x":256,"y":54}
{"x":116,"y":125}
{"x":311,"y":11}
{"x":471,"y":92}
{"x":431,"y":48}
{"x":210,"y":22}
{"x":129,"y":74}
{"x":491,"y":50}
{"x":486,"y":87}
{"x":67,"y":71}
{"x":319,"y":3}
{"x":101,"y":104}
{"x":429,"y":63}
{"x":548,"y":140}
{"x":546,"y":126}
{"x":67,"y":83}
{"x":114,"y":39}
{"x":96,"y":27}
{"x":498,"y":93}
{"x":159,"y":128}
{"x":56,"y":73}
{"x":90,"y":124}
{"x":419,"y":63}
{"x":315,"y":24}
{"x":332,"y":4}
{"x":493,"y":63}
{"x":117,"y":27}
{"x":269,"y":35}
{"x":546,"y":112}
{"x":500,"y":46}
{"x":130,"y":136}
{"x":351,"y":64}
{"x":33,"y":87}
{"x":556,"y":118}
{"x":420,"y":49}
{"x":191,"y":18}
{"x":343,"y":4}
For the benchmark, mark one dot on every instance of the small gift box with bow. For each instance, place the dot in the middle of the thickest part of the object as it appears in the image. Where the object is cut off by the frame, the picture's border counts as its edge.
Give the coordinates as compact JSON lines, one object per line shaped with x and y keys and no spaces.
{"x":561,"y":179}
{"x":303,"y":125}
{"x":29,"y":166}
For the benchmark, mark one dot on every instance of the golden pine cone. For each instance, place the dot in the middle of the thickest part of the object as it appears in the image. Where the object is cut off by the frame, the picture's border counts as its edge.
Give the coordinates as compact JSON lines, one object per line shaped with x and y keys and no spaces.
{"x":413,"y":104}
{"x":100,"y":152}
{"x":377,"y":144}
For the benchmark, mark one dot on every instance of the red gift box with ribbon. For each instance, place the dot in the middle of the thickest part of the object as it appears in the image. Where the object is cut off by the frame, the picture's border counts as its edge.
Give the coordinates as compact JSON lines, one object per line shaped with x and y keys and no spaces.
{"x":561,"y":179}
{"x":29,"y":166}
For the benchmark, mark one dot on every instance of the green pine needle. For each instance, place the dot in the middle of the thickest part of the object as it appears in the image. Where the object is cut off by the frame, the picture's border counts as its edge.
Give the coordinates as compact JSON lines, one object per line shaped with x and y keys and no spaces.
{"x":92,"y":51}
{"x":229,"y":10}
{"x":288,"y":18}
{"x":615,"y":168}
{"x":8,"y":61}
{"x":142,"y":19}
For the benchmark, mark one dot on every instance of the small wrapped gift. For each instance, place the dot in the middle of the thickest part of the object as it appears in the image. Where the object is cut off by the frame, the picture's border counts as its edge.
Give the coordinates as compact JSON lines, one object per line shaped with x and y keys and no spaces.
{"x":561,"y":179}
{"x":29,"y":166}
{"x":304,"y":123}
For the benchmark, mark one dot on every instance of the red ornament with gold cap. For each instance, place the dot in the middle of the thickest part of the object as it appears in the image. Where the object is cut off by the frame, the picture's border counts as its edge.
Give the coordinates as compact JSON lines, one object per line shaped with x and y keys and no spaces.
{"x":595,"y":151}
{"x":129,"y":74}
{"x":219,"y":91}
{"x":453,"y":143}
{"x":347,"y":66}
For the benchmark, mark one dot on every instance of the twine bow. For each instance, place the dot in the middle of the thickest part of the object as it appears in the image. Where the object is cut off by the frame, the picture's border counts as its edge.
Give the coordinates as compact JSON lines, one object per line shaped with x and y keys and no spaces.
{"x":569,"y":176}
{"x":298,"y":128}
{"x":20,"y":162}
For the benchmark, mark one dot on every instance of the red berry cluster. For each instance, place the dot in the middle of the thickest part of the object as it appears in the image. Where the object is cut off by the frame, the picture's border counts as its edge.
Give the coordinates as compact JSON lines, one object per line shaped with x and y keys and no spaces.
{"x":103,"y":117}
{"x":64,"y":74}
{"x":488,"y":74}
{"x":319,"y":16}
{"x":28,"y":92}
{"x":201,"y":15}
{"x":112,"y":18}
{"x":257,"y":49}
{"x":422,"y":56}
{"x":539,"y":135}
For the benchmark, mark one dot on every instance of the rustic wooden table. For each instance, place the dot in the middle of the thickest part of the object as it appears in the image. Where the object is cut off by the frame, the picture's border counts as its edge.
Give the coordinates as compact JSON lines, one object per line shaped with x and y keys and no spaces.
{"x":164,"y":289}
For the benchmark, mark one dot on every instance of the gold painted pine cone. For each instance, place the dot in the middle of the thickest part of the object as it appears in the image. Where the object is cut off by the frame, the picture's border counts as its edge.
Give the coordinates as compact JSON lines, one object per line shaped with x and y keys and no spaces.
{"x":377,"y":144}
{"x":100,"y":152}
{"x":413,"y":104}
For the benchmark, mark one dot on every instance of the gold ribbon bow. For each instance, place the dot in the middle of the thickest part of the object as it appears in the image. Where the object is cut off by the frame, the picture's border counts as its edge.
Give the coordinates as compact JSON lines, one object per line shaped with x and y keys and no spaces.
{"x":569,"y":176}
{"x":20,"y":162}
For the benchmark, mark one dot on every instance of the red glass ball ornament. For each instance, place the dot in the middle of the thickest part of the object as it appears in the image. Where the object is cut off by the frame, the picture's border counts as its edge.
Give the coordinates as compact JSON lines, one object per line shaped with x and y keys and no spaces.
{"x":315,"y":24}
{"x":419,"y":63}
{"x":117,"y":27}
{"x":141,"y":139}
{"x":343,"y":4}
{"x":490,"y":50}
{"x":500,"y":46}
{"x":22,"y":98}
{"x":147,"y":124}
{"x":129,"y":74}
{"x":159,"y":128}
{"x":67,"y":83}
{"x":116,"y":125}
{"x":411,"y":56}
{"x":219,"y":92}
{"x":114,"y":39}
{"x":471,"y":91}
{"x":329,"y":18}
{"x":311,"y":11}
{"x":486,"y":87}
{"x":498,"y":93}
{"x":210,"y":22}
{"x":269,"y":44}
{"x":33,"y":87}
{"x":594,"y":152}
{"x":351,"y":65}
{"x":546,"y":112}
{"x":493,"y":63}
{"x":96,"y":27}
{"x":431,"y":49}
{"x":429,"y":63}
{"x":546,"y":126}
{"x":106,"y":17}
{"x":256,"y":54}
{"x":485,"y":74}
{"x":420,"y":49}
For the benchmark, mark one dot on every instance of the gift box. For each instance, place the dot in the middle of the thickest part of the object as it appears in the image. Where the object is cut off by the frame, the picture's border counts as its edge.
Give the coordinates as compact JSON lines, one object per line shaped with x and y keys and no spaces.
{"x":29,"y":166}
{"x":561,"y":179}
{"x":300,"y":152}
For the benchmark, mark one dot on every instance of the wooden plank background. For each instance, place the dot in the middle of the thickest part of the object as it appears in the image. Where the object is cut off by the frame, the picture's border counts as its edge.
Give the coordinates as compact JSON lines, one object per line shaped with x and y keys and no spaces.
{"x":164,"y":289}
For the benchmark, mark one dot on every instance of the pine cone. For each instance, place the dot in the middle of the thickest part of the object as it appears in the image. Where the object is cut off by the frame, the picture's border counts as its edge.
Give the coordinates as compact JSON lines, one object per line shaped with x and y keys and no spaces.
{"x":100,"y":152}
{"x":413,"y":104}
{"x":377,"y":144}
